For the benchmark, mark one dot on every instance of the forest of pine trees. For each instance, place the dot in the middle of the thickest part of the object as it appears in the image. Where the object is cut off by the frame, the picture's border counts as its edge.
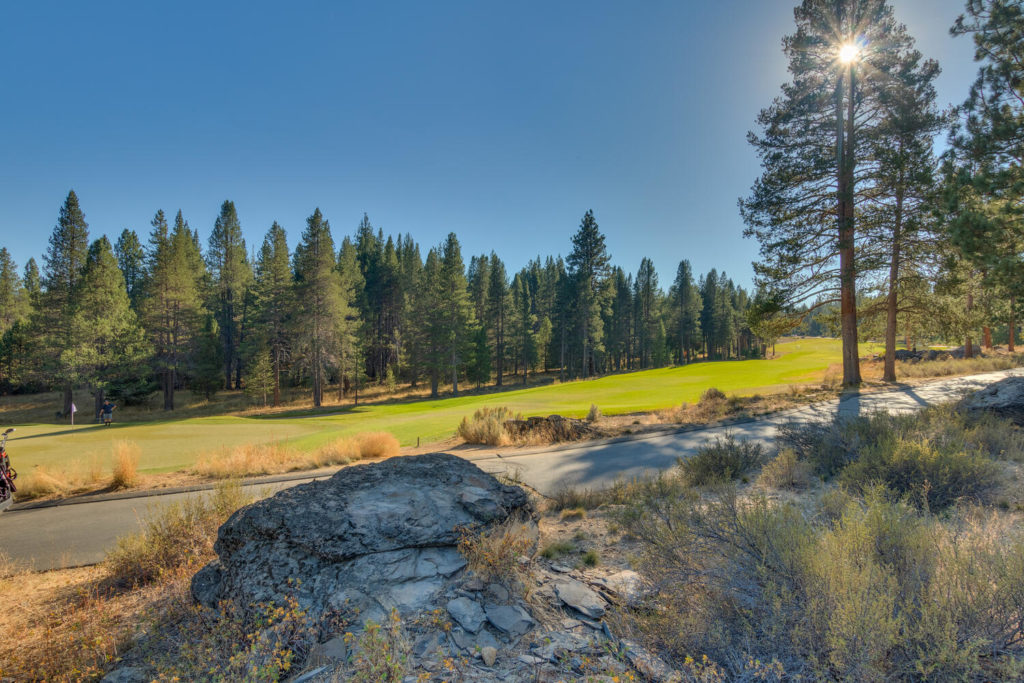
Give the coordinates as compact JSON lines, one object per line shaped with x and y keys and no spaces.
{"x":164,"y":312}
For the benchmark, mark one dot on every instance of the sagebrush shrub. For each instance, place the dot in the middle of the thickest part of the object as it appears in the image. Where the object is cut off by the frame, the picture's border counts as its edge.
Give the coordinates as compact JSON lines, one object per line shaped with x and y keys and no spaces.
{"x":930,"y":475}
{"x":786,"y":471}
{"x":877,"y":590}
{"x":722,"y":460}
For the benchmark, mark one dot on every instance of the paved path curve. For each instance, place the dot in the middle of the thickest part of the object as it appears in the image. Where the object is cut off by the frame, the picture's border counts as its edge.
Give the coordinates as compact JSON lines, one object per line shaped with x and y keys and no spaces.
{"x":74,"y":535}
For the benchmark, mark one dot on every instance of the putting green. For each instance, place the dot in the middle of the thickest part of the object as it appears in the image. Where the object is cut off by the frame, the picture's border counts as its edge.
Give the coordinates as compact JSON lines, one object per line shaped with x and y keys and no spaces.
{"x":175,"y":444}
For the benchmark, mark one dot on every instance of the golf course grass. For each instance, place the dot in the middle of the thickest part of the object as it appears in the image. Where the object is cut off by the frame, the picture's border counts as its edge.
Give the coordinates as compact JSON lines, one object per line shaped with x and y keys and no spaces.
{"x":170,"y":445}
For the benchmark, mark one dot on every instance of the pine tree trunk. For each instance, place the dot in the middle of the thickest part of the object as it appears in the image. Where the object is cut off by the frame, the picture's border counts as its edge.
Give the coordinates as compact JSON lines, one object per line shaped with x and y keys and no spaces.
{"x":847,"y":268}
{"x":455,"y":373}
{"x":499,"y":344}
{"x":1013,"y":325}
{"x":889,"y":372}
{"x":99,"y":395}
{"x":968,"y":343}
{"x":986,"y":337}
{"x":169,"y":388}
{"x":277,"y":378}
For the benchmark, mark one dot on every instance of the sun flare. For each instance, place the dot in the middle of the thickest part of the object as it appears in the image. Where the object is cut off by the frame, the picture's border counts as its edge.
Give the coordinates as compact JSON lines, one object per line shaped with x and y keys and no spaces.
{"x":848,"y":53}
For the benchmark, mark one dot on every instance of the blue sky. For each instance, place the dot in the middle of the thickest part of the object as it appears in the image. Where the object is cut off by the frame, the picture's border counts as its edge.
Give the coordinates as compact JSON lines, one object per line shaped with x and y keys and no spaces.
{"x":503,"y":122}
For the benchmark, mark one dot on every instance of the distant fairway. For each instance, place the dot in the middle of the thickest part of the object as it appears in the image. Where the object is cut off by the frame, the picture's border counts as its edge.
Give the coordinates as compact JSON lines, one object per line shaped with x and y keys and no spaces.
{"x":175,"y":444}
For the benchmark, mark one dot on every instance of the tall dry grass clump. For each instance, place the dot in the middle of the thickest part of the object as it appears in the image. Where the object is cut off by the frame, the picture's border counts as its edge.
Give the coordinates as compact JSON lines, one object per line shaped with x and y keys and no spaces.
{"x":377,"y":445}
{"x":247,"y":460}
{"x":276,"y":457}
{"x":125,"y":469}
{"x":179,"y":535}
{"x":42,"y":481}
{"x":487,"y":426}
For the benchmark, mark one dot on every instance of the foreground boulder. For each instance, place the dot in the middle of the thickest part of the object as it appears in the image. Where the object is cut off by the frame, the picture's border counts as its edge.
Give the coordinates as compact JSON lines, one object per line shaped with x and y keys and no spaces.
{"x":371,"y":538}
{"x":1005,"y":398}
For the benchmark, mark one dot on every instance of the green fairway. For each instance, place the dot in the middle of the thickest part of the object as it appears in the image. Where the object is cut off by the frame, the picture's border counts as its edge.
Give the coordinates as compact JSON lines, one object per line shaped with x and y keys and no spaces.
{"x":175,"y":444}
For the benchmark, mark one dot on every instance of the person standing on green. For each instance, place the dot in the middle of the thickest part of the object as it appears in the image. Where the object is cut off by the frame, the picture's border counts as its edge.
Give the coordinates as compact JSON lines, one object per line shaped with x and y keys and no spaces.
{"x":107,"y":412}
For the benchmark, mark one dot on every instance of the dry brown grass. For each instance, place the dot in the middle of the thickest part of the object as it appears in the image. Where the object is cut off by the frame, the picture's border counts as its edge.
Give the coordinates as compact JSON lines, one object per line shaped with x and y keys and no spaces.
{"x":73,"y":625}
{"x":125,"y":471}
{"x":41,"y":481}
{"x":487,"y":426}
{"x":958,"y":366}
{"x":277,"y":457}
{"x":377,"y":445}
{"x":497,"y":553}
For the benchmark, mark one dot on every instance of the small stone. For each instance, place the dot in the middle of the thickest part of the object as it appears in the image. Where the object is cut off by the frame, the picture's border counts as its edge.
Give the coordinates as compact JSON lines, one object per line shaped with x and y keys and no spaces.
{"x":461,"y":639}
{"x":489,"y":655}
{"x":474,"y":584}
{"x":468,"y":613}
{"x":336,"y":649}
{"x":126,"y":674}
{"x":498,"y":592}
{"x":627,"y":584}
{"x":531,"y":660}
{"x":646,"y":663}
{"x":485,"y":639}
{"x":579,"y":597}
{"x":511,"y":619}
{"x":561,"y":568}
{"x":308,"y":676}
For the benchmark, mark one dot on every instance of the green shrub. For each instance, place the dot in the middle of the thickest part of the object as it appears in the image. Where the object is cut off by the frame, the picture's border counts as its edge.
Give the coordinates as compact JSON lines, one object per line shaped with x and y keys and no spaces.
{"x":555,"y":549}
{"x":722,"y":460}
{"x":931,"y":475}
{"x":831,"y":446}
{"x":881,"y":591}
{"x":569,"y":498}
{"x":710,"y":395}
{"x":786,"y":471}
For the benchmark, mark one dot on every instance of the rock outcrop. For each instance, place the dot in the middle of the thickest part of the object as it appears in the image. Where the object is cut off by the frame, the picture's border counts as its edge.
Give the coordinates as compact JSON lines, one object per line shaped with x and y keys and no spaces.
{"x":371,"y":538}
{"x":1004,"y":398}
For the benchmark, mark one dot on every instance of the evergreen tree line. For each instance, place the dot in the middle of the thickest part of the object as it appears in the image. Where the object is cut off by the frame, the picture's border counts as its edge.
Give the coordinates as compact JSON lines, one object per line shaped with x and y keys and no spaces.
{"x":860,"y":222}
{"x":135,"y":317}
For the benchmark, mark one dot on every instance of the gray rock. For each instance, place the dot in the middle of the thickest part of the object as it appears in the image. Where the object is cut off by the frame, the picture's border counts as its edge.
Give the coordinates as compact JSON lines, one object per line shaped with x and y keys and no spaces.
{"x":648,"y":664}
{"x":1005,"y":398}
{"x":576,"y":595}
{"x":468,"y":613}
{"x":510,"y":619}
{"x":127,"y":674}
{"x":498,"y":592}
{"x":489,"y":655}
{"x":485,"y":639}
{"x":429,"y":644}
{"x":335,"y":649}
{"x":370,"y":538}
{"x":627,"y":585}
{"x":309,"y":675}
{"x":462,"y":639}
